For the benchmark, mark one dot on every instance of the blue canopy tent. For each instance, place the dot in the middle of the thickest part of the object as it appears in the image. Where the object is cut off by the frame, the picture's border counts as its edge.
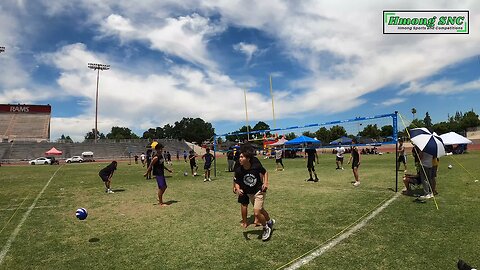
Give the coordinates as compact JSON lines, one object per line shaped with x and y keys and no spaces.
{"x":303,"y":140}
{"x":342,"y":140}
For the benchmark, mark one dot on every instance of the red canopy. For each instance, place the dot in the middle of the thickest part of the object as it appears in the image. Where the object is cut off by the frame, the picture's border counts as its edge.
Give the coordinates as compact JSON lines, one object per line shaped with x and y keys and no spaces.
{"x":53,"y":152}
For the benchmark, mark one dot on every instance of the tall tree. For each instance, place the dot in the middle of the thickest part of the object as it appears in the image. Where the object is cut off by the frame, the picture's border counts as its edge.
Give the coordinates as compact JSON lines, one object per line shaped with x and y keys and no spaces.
{"x":337,"y":132}
{"x":324,"y":135}
{"x":414,"y":111}
{"x":386,"y":131}
{"x":309,"y":134}
{"x":91,"y":135}
{"x":120,"y":133}
{"x":370,"y":131}
{"x":428,"y":121}
{"x":290,"y":136}
{"x":262,"y":126}
{"x":416,"y":123}
{"x":469,"y":120}
{"x":193,"y":130}
{"x":66,"y":139}
{"x":441,"y":128}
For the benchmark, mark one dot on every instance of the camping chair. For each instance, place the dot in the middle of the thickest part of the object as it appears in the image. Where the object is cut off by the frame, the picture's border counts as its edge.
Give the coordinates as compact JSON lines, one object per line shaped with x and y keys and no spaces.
{"x":414,"y":181}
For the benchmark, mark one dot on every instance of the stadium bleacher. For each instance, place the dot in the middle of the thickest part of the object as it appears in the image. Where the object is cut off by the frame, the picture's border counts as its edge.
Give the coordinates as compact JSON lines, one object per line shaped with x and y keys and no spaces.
{"x":103,"y":149}
{"x":24,"y":122}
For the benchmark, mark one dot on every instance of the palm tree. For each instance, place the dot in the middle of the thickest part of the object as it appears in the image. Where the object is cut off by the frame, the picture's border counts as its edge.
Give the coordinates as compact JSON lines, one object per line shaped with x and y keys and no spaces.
{"x":414,"y":111}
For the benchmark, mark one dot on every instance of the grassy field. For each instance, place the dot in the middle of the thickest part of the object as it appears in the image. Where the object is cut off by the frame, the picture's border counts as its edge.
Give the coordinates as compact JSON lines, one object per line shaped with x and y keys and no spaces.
{"x":201,"y":227}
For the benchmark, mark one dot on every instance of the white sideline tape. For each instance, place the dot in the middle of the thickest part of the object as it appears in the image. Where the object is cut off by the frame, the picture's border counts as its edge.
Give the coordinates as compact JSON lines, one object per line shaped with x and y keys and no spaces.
{"x":318,"y":252}
{"x":15,"y":232}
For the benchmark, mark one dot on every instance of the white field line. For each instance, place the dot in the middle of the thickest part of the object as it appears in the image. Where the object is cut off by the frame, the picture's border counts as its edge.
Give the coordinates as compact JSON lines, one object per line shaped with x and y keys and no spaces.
{"x":318,"y":252}
{"x":15,"y":232}
{"x":36,"y":207}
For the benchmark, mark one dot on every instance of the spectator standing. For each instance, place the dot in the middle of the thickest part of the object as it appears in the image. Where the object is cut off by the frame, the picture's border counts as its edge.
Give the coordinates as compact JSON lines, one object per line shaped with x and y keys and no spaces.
{"x":142,"y":159}
{"x":312,"y":156}
{"x":339,"y":157}
{"x":355,"y":160}
{"x":402,"y":158}
{"x":208,"y":158}
{"x":230,"y":160}
{"x":278,"y":160}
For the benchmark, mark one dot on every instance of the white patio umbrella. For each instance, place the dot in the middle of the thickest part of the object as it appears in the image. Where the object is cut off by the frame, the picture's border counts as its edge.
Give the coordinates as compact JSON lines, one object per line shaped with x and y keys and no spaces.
{"x":454,"y":138}
{"x":427,"y":142}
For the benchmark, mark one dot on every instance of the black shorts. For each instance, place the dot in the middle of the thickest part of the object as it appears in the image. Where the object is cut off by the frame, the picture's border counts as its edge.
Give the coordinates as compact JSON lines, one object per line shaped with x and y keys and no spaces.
{"x":310,"y":165}
{"x":278,"y":160}
{"x":193,"y":165}
{"x":207,"y":166}
{"x":402,"y":159}
{"x":339,"y":158}
{"x":104,"y":178}
{"x":355,"y":165}
{"x":243,"y":199}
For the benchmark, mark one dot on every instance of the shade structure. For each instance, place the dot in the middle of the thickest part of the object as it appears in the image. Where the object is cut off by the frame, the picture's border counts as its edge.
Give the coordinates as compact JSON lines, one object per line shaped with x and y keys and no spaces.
{"x":427,"y":142}
{"x":280,"y":142}
{"x":302,"y":140}
{"x":53,"y":152}
{"x":451,"y":138}
{"x":342,"y":140}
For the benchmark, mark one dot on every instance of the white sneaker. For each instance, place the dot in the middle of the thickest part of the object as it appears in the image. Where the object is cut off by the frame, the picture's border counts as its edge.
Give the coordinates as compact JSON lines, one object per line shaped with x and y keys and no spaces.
{"x":270,"y":223}
{"x":110,"y":191}
{"x":209,"y":180}
{"x":356,"y":184}
{"x":205,"y":180}
{"x":267,"y":232}
{"x":426,"y":196}
{"x":343,"y":168}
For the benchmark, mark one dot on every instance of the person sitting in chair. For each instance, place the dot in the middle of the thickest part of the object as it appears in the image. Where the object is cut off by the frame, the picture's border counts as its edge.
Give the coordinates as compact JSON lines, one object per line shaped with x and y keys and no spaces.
{"x":410,"y":179}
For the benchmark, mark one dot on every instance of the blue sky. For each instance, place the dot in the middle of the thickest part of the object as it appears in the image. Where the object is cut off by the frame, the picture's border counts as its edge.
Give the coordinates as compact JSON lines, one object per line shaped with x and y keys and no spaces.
{"x":173,"y":59}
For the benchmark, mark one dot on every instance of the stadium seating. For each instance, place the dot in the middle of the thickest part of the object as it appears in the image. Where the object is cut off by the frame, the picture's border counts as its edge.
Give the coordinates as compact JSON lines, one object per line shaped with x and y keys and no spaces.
{"x":103,"y":149}
{"x":34,"y":127}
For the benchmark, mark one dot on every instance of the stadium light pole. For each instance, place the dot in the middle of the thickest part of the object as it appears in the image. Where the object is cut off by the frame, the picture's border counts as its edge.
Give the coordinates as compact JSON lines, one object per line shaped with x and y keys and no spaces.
{"x":97,"y":67}
{"x":2,"y":49}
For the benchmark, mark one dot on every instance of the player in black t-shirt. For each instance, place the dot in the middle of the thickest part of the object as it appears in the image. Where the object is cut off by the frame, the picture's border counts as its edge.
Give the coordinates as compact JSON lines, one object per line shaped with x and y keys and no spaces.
{"x":355,"y":159}
{"x":106,"y":175}
{"x":193,"y":163}
{"x":157,"y":166}
{"x":208,"y":158}
{"x":312,"y":156}
{"x":251,"y":178}
{"x":244,"y":200}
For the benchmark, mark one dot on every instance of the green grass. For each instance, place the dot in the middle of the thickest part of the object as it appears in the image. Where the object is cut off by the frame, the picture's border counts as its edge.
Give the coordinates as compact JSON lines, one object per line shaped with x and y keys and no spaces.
{"x":201,"y":229}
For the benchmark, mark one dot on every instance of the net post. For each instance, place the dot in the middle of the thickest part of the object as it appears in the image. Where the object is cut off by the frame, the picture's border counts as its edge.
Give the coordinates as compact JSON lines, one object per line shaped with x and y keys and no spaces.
{"x":395,"y":138}
{"x":215,"y":155}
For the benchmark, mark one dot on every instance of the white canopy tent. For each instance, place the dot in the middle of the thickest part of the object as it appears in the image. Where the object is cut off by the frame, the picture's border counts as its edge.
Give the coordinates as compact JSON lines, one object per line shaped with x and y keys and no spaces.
{"x":452,"y":138}
{"x":280,"y":142}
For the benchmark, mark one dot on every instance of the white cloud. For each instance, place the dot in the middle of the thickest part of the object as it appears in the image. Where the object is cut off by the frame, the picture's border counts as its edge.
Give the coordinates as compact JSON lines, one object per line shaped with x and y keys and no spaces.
{"x":393,"y":101}
{"x":185,"y":37}
{"x":146,"y":100}
{"x":248,"y":49}
{"x":441,"y":87}
{"x":339,"y":44}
